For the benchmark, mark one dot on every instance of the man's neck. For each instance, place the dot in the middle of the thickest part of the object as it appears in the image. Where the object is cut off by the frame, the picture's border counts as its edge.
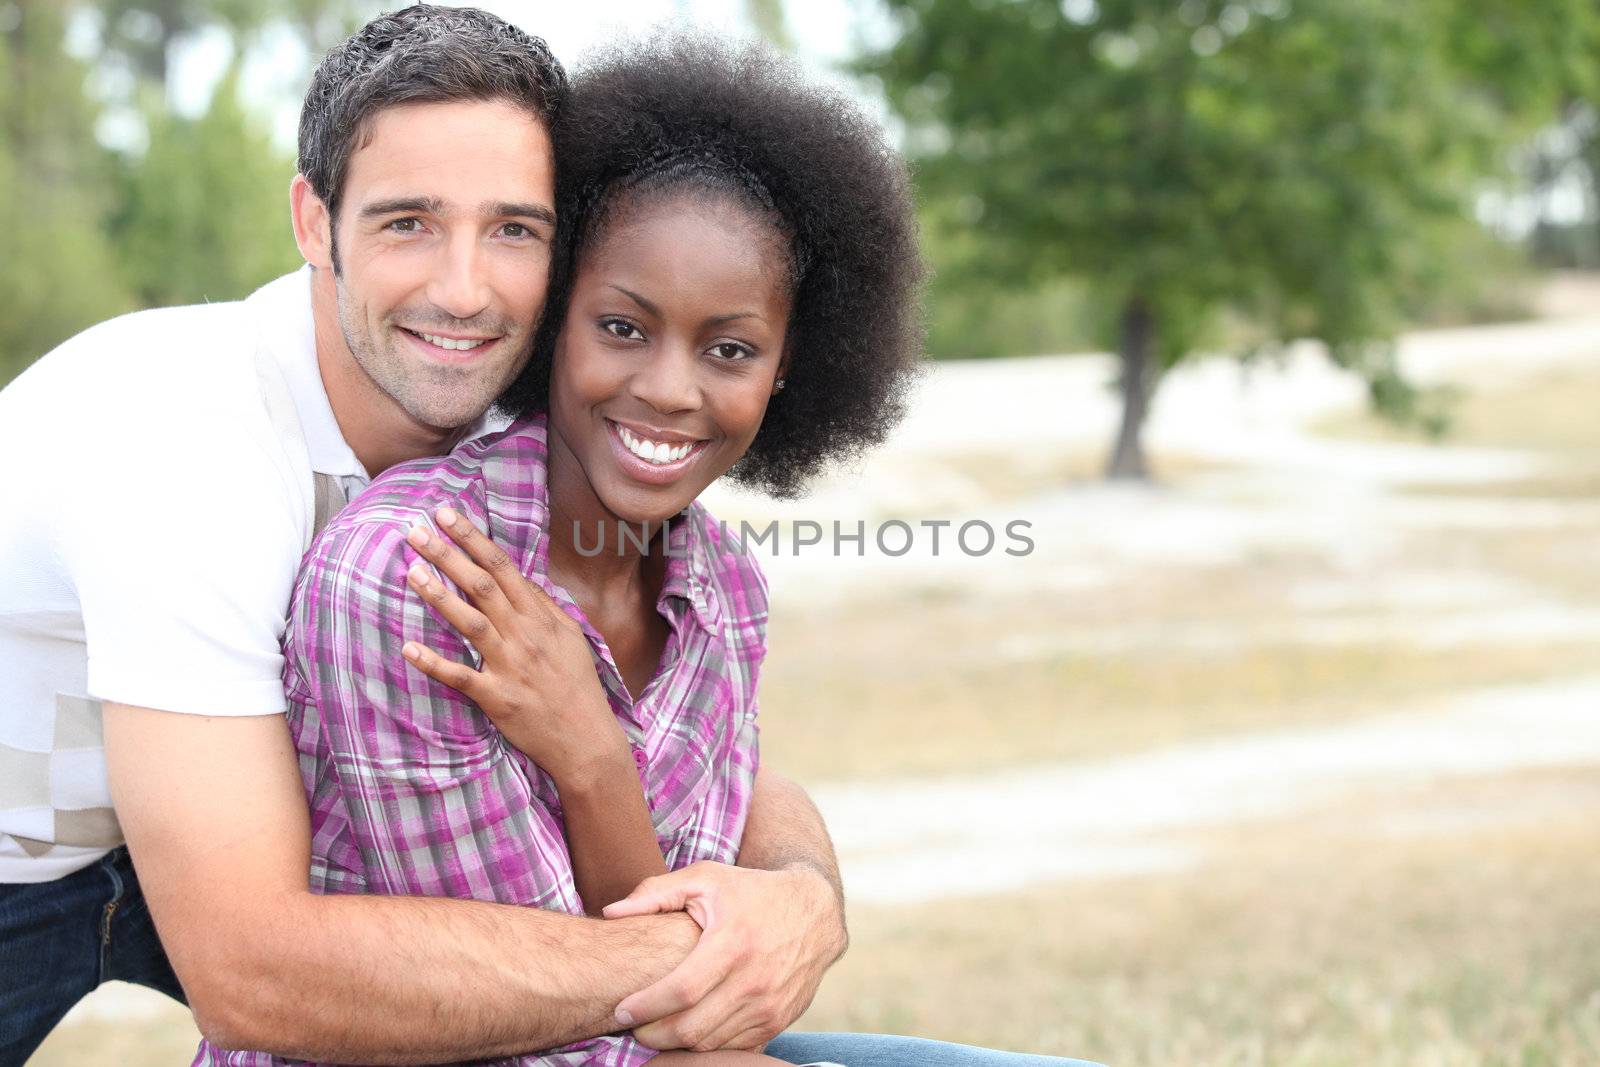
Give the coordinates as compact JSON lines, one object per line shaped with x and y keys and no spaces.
{"x":377,"y":429}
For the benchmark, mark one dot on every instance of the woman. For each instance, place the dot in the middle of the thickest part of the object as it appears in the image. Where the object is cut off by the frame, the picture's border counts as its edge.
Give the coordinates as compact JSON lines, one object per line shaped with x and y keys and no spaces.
{"x":735,"y":294}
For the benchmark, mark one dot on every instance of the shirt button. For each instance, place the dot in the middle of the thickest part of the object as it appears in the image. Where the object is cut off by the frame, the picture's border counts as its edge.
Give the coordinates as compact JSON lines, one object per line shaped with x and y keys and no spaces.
{"x":639,"y":758}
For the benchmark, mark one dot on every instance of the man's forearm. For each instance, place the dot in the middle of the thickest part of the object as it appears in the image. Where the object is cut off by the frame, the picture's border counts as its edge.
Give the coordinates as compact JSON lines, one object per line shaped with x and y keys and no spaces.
{"x":216,"y":821}
{"x":405,"y":980}
{"x":785,"y":829}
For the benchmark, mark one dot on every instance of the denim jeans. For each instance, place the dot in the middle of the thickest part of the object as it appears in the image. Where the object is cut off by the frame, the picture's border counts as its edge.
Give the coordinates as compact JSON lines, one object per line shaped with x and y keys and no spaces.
{"x":61,"y":939}
{"x":884,"y":1050}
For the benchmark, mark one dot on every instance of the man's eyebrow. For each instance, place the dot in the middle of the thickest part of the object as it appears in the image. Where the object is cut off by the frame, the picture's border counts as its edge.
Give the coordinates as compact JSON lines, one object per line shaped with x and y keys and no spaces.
{"x":417,"y":205}
{"x":637,"y":299}
{"x":521,"y":210}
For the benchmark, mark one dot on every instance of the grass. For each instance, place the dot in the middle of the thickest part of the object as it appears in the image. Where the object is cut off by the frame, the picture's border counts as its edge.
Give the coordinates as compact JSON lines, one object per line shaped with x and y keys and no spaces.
{"x":1552,"y":412}
{"x":867,"y":697}
{"x":1304,"y":944}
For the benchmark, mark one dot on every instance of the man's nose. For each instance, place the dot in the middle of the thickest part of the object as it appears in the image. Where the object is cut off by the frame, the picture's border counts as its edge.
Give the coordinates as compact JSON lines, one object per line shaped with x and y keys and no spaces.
{"x":669,"y":381}
{"x":459,"y":283}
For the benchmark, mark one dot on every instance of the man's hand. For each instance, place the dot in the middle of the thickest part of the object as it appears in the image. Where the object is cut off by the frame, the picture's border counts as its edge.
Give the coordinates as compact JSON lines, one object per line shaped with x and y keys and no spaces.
{"x":768,"y":938}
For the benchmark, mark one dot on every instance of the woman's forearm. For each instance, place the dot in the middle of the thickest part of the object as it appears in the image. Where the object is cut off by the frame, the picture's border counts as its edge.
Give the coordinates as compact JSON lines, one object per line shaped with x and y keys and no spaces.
{"x":609,"y":832}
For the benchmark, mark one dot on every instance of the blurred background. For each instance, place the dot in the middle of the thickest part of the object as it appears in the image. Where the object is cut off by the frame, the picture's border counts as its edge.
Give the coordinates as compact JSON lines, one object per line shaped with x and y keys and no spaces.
{"x":1275,"y":319}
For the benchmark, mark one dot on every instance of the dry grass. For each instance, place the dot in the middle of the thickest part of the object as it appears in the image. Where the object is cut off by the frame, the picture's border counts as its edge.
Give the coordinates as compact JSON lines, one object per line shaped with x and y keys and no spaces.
{"x":1012,"y":474}
{"x":1311,"y":944}
{"x":1564,"y":482}
{"x":868,"y":696}
{"x":1554,"y":412}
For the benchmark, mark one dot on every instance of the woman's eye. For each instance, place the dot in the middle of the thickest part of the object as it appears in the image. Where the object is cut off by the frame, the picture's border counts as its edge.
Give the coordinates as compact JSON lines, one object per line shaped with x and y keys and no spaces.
{"x":617,"y":328}
{"x":730,"y":350}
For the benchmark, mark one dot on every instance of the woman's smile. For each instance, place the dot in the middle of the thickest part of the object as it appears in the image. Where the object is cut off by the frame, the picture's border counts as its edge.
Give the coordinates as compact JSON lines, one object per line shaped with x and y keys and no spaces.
{"x":653,"y":456}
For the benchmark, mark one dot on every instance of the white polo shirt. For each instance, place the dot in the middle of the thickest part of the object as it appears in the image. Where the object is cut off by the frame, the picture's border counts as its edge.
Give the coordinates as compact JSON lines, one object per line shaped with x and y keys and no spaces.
{"x":160,"y":478}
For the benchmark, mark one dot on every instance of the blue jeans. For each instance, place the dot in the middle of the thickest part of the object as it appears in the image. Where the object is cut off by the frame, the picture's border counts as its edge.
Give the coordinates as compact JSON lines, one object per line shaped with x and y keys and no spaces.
{"x":883,"y":1050}
{"x":61,"y":939}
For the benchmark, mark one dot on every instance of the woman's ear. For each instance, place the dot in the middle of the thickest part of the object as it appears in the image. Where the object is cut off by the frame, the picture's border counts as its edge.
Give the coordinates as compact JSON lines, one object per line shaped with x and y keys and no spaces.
{"x":783,"y":373}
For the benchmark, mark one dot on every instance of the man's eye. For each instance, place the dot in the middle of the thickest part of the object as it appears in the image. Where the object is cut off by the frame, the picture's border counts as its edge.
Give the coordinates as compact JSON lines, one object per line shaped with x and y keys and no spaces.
{"x":617,"y":328}
{"x":406,"y":225}
{"x":516,"y":229}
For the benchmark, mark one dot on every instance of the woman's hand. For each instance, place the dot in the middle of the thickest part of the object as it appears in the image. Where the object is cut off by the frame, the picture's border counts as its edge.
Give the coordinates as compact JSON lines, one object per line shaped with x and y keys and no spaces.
{"x":537,"y":680}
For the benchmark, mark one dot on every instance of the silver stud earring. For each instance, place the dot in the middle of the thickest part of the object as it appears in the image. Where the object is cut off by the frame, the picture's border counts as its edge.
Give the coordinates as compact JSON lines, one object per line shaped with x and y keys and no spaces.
{"x":777,"y":386}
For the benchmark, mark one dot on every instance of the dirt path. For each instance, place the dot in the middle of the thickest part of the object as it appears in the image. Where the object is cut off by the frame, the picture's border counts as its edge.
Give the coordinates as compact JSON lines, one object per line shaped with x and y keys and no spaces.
{"x":918,"y":840}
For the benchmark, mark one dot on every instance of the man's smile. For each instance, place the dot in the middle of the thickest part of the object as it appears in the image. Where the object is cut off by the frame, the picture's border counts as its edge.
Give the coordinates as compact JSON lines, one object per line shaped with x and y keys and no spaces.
{"x":448,"y":348}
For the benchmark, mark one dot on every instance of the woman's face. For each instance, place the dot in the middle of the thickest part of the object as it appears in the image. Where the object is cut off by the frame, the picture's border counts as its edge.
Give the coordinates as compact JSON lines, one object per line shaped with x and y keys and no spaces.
{"x":668,"y":356}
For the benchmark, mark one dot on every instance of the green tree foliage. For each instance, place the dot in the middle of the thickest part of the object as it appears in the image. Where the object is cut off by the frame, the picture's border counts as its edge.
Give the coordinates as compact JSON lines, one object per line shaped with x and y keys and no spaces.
{"x":205,"y":212}
{"x":58,"y":273}
{"x":198,"y":213}
{"x":1303,"y":167}
{"x":770,"y":20}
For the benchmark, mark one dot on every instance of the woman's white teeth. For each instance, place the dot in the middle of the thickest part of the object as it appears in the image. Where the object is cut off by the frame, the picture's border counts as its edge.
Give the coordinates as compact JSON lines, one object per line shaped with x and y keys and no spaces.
{"x":452,"y":344}
{"x":653,"y":451}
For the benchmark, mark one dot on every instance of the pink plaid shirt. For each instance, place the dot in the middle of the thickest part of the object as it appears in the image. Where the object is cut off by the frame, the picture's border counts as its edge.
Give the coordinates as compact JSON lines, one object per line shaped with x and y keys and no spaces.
{"x":414,"y":792}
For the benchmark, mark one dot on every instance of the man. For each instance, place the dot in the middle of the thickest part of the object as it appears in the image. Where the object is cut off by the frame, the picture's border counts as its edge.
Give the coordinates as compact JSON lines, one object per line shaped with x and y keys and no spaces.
{"x":165,"y":472}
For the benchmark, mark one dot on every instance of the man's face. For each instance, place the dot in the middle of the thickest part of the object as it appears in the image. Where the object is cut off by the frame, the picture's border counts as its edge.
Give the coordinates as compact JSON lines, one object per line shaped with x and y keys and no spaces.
{"x":444,"y":236}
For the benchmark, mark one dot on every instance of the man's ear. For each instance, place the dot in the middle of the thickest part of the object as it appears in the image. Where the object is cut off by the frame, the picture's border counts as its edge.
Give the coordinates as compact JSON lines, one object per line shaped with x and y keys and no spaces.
{"x":313,"y":227}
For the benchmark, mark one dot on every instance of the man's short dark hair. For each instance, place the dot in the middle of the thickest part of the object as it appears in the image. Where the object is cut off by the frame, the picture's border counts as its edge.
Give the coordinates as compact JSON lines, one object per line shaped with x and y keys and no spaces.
{"x":421,"y":54}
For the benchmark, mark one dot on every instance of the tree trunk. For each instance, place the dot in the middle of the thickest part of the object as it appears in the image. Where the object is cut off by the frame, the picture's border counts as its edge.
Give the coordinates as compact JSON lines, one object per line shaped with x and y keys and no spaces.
{"x":1137,"y":385}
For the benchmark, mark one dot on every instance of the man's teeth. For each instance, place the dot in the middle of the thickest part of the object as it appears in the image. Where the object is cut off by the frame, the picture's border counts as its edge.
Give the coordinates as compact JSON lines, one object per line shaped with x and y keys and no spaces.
{"x":653,"y":451}
{"x":452,"y":344}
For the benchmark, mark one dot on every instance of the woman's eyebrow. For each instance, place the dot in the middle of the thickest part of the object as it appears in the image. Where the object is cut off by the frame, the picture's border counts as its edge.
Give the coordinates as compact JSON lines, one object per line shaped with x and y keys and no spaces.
{"x":718,"y":320}
{"x":714,"y":320}
{"x":636,"y":298}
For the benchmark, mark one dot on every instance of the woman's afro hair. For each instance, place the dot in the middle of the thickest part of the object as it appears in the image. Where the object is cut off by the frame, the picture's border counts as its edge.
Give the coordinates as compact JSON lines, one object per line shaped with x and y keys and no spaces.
{"x":693,"y":114}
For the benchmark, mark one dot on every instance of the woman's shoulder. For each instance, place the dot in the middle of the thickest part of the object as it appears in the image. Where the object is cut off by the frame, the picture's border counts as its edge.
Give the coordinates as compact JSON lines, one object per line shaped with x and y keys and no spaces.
{"x":481,"y":478}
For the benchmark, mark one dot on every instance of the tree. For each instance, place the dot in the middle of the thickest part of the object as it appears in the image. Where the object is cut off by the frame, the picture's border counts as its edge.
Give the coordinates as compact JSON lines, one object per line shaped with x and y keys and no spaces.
{"x":204,"y":213}
{"x":1301,"y":167}
{"x":58,"y":273}
{"x":203,"y":210}
{"x":769,"y":19}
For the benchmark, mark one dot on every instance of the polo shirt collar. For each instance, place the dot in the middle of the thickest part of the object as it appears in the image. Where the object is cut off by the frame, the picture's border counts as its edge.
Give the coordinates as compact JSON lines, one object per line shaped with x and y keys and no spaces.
{"x":289,"y":335}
